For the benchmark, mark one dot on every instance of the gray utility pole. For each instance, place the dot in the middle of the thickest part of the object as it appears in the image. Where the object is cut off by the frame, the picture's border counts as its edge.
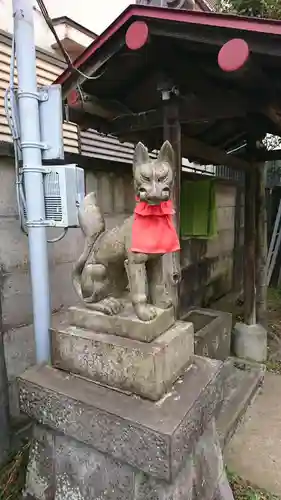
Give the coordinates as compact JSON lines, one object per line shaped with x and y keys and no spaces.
{"x":31,"y":147}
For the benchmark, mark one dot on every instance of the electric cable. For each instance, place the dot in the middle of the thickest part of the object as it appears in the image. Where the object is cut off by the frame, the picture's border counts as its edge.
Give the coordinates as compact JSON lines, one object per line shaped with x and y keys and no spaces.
{"x":10,"y":104}
{"x":64,"y":52}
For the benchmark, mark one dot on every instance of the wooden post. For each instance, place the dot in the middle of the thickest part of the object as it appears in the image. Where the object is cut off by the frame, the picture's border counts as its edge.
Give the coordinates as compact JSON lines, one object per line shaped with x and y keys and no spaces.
{"x":172,"y":133}
{"x":261,"y":245}
{"x":250,"y":249}
{"x":237,"y":257}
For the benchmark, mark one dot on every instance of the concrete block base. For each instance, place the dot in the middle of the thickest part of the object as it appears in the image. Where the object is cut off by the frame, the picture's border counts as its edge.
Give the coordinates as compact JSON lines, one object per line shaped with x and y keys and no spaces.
{"x":146,"y":369}
{"x":250,"y":342}
{"x":124,"y":324}
{"x":77,"y":471}
{"x":212,"y":332}
{"x":97,"y":443}
{"x":155,"y":437}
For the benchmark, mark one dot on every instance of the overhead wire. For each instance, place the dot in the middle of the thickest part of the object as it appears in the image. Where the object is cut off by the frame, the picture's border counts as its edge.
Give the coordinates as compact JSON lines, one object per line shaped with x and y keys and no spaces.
{"x":10,"y":104}
{"x":64,"y":52}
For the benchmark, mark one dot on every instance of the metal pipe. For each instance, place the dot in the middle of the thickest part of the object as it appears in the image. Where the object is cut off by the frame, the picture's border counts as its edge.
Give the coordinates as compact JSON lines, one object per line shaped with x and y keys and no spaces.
{"x":33,"y":176}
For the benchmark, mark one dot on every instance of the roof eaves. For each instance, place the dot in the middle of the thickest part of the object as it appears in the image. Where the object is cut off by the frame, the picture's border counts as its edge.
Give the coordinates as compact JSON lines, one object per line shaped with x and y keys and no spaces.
{"x":210,"y":18}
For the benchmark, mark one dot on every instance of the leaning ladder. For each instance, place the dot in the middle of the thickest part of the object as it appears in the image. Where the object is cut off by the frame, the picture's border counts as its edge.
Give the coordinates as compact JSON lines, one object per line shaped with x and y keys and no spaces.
{"x":274,"y":245}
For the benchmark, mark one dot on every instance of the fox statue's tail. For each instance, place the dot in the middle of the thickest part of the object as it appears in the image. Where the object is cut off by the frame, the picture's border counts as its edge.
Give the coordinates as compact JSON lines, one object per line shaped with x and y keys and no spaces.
{"x":92,"y":224}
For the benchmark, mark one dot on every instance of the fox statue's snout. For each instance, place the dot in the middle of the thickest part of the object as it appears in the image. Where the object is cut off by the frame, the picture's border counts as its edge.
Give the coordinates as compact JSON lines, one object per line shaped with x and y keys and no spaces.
{"x":154,"y":195}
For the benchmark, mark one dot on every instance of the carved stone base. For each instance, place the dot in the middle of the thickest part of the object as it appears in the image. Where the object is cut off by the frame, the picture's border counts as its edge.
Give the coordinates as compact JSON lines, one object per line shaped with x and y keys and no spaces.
{"x":124,"y":324}
{"x":97,"y":443}
{"x":146,"y":369}
{"x":62,"y":468}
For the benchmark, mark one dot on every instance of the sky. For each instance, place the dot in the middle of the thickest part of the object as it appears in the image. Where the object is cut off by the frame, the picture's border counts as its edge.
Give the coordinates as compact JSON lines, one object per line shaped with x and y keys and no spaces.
{"x":95,"y":15}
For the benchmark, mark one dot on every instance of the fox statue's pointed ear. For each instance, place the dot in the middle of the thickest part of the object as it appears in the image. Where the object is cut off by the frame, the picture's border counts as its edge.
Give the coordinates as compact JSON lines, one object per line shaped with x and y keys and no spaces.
{"x":166,"y":154}
{"x":141,"y":155}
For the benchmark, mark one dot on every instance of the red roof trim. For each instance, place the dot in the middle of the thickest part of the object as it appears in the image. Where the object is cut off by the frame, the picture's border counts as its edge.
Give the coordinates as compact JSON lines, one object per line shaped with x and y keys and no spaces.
{"x":265,"y":26}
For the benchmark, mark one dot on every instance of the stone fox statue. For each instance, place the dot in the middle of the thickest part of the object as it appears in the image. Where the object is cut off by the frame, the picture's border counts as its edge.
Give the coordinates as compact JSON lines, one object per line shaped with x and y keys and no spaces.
{"x":98,"y":275}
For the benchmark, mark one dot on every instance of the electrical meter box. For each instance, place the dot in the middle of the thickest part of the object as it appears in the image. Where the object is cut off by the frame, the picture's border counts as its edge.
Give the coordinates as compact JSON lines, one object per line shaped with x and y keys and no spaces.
{"x":64,"y":190}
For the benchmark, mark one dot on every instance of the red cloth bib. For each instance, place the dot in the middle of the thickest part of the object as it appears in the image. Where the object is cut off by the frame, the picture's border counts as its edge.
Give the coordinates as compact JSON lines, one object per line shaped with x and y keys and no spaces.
{"x":153,"y":229}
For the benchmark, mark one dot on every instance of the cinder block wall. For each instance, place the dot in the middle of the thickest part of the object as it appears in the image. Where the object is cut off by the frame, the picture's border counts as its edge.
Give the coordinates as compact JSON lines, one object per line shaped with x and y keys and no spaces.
{"x":207,"y":266}
{"x":115,"y":195}
{"x":116,"y":198}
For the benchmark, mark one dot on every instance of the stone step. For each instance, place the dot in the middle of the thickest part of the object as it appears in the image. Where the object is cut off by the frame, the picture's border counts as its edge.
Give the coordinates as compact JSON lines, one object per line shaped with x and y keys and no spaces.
{"x":155,"y":437}
{"x":145,"y":369}
{"x":242,"y":385}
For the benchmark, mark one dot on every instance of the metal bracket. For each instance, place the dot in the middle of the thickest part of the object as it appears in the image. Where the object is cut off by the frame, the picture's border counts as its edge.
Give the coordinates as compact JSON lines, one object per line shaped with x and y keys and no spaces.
{"x":167,"y":88}
{"x":166,"y":94}
{"x":27,"y":144}
{"x":40,"y":223}
{"x":41,"y":96}
{"x":66,"y":112}
{"x":38,"y":170}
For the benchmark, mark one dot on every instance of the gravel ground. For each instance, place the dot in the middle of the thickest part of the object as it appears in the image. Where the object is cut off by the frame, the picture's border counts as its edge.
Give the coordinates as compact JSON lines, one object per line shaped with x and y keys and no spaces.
{"x":243,"y":490}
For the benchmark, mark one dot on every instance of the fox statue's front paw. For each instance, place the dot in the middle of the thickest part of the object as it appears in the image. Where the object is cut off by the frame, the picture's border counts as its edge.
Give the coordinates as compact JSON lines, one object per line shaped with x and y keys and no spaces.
{"x":165,"y":303}
{"x":145,"y":312}
{"x":109,"y":306}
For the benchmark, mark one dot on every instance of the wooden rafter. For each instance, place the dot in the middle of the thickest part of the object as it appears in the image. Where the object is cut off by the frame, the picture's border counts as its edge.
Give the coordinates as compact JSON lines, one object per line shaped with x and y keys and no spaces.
{"x":107,"y":109}
{"x":214,"y":155}
{"x":191,"y":110}
{"x":122,"y":120}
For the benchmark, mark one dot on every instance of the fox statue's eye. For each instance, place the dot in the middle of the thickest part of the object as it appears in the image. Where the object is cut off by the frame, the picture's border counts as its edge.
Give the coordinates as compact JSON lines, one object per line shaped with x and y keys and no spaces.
{"x":145,"y":177}
{"x":163,"y":178}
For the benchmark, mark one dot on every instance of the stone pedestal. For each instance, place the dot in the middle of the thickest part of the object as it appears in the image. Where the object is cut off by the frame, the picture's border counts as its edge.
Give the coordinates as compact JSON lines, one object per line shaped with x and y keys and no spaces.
{"x":145,"y":369}
{"x":250,"y":342}
{"x":84,"y":473}
{"x":94,"y":440}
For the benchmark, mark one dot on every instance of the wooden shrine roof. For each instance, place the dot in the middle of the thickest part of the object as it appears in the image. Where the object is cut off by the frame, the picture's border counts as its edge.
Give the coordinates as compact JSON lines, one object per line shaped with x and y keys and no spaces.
{"x":218,"y":110}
